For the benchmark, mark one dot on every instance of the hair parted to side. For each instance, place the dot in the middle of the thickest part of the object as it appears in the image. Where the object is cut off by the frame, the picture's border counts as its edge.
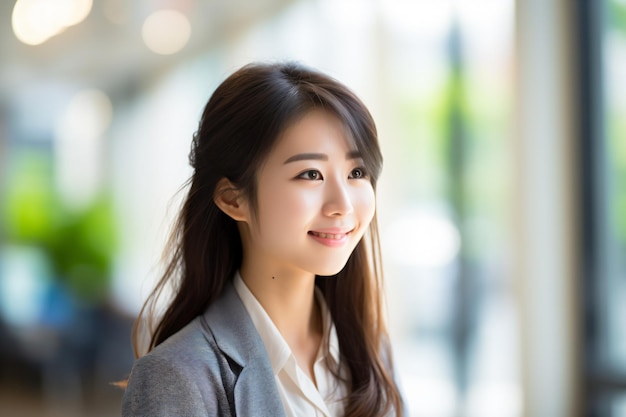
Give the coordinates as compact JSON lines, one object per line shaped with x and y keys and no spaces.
{"x":239,"y":126}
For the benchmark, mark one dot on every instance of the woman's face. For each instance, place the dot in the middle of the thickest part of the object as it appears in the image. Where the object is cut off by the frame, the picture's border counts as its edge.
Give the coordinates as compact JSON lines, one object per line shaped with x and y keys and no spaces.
{"x":314,"y":201}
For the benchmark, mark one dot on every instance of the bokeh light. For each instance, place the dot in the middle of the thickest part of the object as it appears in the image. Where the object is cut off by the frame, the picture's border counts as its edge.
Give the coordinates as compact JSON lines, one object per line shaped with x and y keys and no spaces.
{"x":36,"y":21}
{"x":166,"y":32}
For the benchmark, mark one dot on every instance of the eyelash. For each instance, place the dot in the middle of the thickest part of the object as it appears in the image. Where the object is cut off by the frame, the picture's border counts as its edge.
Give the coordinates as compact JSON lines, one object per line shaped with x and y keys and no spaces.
{"x":306,"y":174}
{"x":363,"y":173}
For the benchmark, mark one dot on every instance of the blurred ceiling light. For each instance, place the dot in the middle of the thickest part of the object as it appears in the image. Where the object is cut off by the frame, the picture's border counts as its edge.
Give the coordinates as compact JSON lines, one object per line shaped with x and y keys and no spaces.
{"x":424,"y":238}
{"x":166,"y":32}
{"x":36,"y":21}
{"x":75,"y":11}
{"x":32,"y":22}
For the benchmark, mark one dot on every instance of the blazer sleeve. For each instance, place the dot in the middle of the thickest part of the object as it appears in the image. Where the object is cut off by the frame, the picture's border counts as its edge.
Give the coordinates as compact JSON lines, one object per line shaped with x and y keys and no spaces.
{"x":157,"y":388}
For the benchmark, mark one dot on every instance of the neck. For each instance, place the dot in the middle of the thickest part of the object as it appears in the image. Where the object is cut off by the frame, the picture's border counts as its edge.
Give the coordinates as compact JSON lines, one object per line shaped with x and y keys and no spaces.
{"x":289,"y":300}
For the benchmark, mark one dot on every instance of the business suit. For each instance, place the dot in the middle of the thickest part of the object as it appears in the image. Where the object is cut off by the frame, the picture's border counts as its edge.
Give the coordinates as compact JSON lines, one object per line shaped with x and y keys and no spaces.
{"x":217,"y":365}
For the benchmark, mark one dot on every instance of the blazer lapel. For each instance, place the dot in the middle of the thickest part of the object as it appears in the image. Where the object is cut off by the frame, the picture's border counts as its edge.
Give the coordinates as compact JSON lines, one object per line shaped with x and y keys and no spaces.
{"x":255,"y":390}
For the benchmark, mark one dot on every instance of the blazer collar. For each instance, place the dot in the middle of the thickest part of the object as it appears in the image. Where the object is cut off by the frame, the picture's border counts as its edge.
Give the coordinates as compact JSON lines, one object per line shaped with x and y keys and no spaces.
{"x":234,"y":332}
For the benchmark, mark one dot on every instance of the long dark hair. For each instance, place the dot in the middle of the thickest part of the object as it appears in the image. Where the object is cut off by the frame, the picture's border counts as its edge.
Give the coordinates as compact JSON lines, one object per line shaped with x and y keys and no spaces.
{"x":239,"y":126}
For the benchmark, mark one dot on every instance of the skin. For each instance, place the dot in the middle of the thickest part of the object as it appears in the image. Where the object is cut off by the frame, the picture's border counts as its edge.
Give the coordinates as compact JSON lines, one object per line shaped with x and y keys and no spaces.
{"x":315,"y":201}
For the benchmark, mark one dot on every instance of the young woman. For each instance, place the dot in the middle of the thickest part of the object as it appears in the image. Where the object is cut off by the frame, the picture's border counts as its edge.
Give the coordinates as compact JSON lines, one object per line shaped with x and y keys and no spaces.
{"x":274,"y":261}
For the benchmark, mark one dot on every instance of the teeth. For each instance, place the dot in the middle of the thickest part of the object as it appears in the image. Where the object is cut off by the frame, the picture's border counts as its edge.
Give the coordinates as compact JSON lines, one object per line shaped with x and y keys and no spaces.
{"x":328,"y":235}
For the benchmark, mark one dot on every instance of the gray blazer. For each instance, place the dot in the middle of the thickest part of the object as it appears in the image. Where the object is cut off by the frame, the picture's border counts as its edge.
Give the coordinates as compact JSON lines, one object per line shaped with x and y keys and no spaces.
{"x":217,"y":365}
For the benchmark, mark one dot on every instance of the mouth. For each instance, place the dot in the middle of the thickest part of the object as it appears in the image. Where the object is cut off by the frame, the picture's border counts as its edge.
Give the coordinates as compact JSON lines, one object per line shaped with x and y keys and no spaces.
{"x":334,"y":238}
{"x":330,"y":236}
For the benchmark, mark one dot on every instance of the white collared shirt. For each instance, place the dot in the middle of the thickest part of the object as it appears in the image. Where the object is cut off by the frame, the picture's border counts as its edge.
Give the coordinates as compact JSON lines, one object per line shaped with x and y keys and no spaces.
{"x":299,"y":395}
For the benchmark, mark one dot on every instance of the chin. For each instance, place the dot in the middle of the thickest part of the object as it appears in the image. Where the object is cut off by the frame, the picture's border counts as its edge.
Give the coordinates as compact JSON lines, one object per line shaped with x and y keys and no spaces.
{"x":330,"y":270}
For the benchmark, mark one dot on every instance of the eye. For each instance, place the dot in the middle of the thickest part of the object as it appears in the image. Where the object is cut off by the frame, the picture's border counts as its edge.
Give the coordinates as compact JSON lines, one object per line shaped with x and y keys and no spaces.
{"x":358,"y":173}
{"x":311,"y":175}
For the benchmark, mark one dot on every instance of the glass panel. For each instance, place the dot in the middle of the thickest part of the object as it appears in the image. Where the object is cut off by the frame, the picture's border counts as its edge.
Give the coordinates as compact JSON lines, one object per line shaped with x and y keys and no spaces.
{"x":615,"y":183}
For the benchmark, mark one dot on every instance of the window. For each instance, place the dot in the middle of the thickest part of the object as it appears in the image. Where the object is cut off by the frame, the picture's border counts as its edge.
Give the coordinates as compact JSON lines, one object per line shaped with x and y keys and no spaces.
{"x":603,"y":157}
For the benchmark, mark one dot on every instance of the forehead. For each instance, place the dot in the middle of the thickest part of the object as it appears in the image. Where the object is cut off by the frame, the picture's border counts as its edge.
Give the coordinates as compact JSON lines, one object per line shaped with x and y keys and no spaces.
{"x":317,"y":130}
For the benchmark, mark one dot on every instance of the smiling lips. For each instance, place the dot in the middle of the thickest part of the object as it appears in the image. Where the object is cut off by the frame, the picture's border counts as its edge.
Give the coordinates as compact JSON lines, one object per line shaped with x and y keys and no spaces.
{"x":333,"y":236}
{"x":330,"y":239}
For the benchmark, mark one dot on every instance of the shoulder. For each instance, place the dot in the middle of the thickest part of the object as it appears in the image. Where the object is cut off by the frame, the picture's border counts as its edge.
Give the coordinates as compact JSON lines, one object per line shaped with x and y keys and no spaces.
{"x":191,"y":348}
{"x":185,"y":375}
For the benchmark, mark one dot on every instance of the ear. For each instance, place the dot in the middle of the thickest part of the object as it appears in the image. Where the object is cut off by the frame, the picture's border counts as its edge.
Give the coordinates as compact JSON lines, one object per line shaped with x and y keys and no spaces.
{"x":230,"y":200}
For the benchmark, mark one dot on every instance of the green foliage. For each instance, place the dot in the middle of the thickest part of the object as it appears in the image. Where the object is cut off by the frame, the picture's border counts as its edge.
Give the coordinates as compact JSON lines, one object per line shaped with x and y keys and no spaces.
{"x":470,"y":164}
{"x":617,"y":15}
{"x":80,"y":244}
{"x":29,"y":204}
{"x":617,"y":154}
{"x":82,"y":249}
{"x":425,"y":123}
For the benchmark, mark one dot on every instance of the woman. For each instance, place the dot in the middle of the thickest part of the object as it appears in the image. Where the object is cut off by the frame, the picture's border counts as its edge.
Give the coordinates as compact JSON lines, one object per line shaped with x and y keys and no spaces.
{"x":274,"y":261}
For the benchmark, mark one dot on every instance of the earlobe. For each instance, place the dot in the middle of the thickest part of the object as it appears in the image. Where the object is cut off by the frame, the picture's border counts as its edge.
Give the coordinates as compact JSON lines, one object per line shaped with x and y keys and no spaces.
{"x":230,"y":200}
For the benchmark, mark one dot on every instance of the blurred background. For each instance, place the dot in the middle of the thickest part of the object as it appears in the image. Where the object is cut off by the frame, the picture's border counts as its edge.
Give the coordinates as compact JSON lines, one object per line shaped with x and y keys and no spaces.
{"x":502,"y":203}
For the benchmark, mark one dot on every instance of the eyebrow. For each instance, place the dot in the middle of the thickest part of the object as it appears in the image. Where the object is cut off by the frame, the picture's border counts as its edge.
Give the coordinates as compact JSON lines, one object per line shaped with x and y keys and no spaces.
{"x":319,"y":156}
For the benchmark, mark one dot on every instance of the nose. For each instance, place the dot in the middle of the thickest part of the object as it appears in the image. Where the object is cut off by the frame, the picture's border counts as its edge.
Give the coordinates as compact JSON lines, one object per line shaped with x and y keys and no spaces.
{"x":338,"y":201}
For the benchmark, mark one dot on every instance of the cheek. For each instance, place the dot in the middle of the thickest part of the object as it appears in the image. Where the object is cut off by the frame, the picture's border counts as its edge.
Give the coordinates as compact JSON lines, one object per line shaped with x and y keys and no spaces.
{"x":281,"y":206}
{"x":365,"y":203}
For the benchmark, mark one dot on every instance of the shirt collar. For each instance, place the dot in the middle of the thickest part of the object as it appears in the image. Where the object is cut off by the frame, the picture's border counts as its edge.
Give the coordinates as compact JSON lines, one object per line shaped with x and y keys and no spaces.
{"x":330,"y":333}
